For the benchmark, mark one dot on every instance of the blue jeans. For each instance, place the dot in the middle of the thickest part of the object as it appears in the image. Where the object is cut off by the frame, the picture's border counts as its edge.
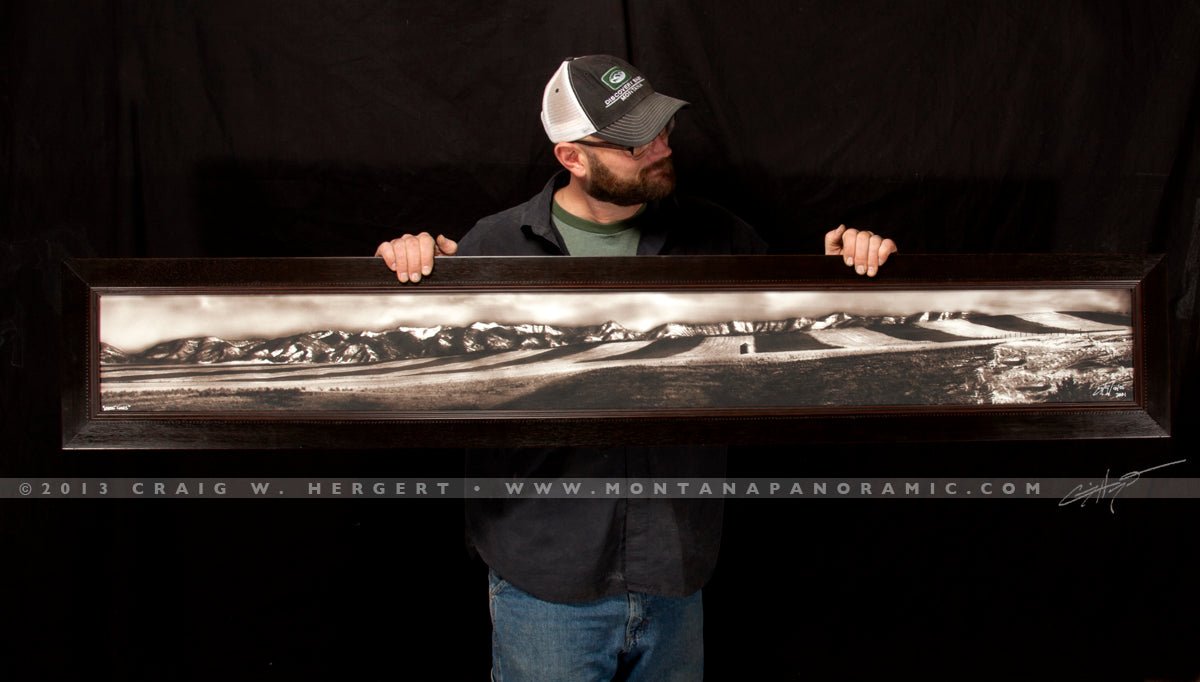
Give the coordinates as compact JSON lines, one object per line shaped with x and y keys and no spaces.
{"x":632,"y":637}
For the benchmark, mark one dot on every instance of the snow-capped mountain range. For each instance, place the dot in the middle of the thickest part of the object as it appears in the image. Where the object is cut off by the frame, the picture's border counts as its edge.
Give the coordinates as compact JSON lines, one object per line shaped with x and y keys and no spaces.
{"x":353,"y":347}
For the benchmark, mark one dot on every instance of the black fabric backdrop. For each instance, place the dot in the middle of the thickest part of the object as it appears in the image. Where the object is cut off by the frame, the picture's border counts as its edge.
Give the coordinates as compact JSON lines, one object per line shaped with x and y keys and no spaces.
{"x":298,"y":128}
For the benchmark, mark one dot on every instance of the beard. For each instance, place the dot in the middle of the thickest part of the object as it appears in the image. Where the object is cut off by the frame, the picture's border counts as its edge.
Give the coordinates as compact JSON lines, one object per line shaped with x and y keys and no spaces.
{"x":653,"y":182}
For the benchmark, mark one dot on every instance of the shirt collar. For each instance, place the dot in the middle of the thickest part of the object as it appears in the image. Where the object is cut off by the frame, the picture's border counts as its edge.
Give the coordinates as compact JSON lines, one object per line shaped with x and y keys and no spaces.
{"x":537,"y":219}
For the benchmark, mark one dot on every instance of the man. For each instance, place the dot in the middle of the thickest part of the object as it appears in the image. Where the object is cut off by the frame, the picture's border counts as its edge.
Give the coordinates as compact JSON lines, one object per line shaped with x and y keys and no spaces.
{"x":585,"y":589}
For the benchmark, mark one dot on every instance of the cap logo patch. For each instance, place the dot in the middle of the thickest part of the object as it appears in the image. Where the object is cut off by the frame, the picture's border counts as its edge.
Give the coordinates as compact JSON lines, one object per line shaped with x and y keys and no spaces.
{"x":614,"y":77}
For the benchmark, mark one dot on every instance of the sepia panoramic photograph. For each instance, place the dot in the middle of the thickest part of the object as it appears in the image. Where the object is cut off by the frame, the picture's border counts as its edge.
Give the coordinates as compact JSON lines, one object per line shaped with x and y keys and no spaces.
{"x":613,"y":350}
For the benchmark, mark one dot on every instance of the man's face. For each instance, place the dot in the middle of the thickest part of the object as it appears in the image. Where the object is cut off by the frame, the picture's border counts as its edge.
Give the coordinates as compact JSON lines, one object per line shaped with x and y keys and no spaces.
{"x":627,"y":182}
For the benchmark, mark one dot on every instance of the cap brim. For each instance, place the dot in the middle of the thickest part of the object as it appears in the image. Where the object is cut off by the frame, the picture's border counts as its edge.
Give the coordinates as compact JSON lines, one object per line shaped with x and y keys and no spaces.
{"x":644,"y":122}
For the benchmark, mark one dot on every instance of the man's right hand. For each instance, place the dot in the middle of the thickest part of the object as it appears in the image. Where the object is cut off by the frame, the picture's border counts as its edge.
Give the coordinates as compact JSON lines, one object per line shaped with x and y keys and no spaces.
{"x":411,"y":256}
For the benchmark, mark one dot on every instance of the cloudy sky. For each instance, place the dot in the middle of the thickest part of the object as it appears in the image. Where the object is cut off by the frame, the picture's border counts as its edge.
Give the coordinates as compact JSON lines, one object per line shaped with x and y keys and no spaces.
{"x":133,"y":323}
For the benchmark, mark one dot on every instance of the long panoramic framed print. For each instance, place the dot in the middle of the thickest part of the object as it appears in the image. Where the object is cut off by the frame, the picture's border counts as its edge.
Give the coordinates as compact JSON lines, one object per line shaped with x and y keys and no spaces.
{"x":489,"y":352}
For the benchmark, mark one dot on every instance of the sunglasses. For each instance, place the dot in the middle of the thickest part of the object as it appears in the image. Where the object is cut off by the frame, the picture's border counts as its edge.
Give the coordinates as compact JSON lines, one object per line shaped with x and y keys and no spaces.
{"x":634,"y":152}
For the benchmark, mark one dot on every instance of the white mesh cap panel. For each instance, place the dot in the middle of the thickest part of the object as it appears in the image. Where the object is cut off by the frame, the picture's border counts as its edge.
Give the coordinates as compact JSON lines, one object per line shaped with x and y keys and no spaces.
{"x":562,"y":115}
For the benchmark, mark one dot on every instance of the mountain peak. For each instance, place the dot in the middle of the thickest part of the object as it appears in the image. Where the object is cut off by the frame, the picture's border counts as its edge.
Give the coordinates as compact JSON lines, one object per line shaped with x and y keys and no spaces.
{"x":340,"y":346}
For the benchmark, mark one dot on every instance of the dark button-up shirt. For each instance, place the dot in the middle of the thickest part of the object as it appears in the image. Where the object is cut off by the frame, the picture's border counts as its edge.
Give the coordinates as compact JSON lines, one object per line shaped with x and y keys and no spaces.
{"x":575,"y":549}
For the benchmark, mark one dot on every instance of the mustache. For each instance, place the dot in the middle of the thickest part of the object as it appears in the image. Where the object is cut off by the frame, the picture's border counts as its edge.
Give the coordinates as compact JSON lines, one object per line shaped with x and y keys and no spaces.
{"x":664,"y":164}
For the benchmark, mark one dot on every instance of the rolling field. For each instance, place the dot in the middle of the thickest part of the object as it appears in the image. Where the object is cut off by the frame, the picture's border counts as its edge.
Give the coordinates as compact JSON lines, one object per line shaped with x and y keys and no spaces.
{"x":851,"y":366}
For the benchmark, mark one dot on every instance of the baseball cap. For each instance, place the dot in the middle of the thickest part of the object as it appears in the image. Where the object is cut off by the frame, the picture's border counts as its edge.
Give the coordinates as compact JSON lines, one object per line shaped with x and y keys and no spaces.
{"x":607,"y":97}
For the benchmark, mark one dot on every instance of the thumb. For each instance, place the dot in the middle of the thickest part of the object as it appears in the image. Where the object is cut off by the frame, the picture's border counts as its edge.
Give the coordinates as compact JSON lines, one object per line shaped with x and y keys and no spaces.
{"x":833,"y":241}
{"x":447,"y":246}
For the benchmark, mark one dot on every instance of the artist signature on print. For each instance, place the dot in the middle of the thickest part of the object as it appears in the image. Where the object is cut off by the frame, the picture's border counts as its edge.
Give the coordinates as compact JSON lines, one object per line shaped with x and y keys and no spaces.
{"x":112,"y":408}
{"x":1108,"y":489}
{"x":1110,"y":390}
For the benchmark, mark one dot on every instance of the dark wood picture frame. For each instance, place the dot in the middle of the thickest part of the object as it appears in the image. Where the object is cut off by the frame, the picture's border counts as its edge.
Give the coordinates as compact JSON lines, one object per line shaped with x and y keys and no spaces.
{"x":1141,"y":412}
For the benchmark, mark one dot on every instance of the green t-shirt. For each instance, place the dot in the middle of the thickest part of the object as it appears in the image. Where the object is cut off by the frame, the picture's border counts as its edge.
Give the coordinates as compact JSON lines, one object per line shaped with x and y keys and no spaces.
{"x":585,"y":238}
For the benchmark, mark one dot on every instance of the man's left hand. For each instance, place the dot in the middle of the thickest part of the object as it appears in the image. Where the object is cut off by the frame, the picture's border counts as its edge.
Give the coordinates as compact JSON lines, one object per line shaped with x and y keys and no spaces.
{"x":862,"y":250}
